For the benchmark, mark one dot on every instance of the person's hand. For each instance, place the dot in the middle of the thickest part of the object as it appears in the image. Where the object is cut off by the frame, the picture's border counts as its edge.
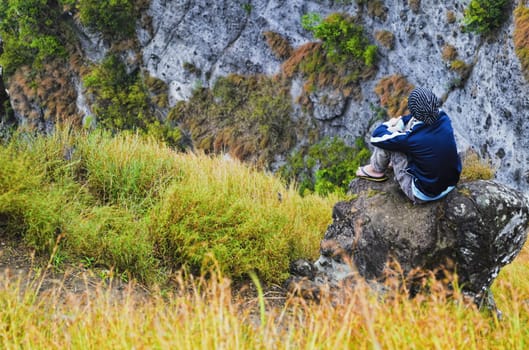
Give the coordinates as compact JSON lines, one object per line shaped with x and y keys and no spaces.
{"x":393,"y":121}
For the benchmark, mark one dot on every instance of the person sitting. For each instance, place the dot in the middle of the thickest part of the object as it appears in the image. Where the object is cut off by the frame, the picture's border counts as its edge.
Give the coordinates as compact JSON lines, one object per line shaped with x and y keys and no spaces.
{"x":420,"y":147}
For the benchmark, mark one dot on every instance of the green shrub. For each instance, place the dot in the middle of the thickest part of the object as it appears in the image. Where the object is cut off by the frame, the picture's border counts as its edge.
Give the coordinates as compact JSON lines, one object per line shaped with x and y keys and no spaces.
{"x":342,"y":38}
{"x":113,"y":18}
{"x":125,"y":170}
{"x":30,"y":33}
{"x":484,"y":16}
{"x":222,"y":212}
{"x":370,"y":55}
{"x":341,"y":61}
{"x":114,"y":237}
{"x":129,"y":203}
{"x":325,"y":167}
{"x":38,"y":198}
{"x":121,"y":101}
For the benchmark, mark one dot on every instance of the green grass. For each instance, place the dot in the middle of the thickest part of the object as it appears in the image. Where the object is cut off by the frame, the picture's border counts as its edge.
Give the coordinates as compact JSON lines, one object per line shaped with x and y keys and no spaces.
{"x":132,"y":204}
{"x":485,"y":16}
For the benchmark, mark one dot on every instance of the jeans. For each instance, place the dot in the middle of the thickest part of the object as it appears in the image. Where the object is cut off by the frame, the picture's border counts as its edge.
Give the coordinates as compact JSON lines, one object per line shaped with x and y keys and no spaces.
{"x":380,"y":160}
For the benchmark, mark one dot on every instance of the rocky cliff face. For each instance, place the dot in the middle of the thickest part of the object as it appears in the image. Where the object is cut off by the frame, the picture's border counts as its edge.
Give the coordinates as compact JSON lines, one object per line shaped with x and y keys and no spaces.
{"x":490,"y":110}
{"x":487,"y":96}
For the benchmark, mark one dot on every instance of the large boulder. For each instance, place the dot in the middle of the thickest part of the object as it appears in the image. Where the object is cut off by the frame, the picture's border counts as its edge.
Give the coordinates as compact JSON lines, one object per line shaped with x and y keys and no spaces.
{"x":477,"y":229}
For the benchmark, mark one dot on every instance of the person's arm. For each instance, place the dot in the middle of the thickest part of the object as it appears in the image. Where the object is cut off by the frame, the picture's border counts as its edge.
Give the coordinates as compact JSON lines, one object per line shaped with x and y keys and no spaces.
{"x":390,"y":135}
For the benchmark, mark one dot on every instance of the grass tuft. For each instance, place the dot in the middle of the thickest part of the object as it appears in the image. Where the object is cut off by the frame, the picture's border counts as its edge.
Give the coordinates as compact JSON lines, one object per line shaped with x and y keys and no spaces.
{"x":393,"y":92}
{"x":278,"y":44}
{"x":475,"y":168}
{"x":222,"y":211}
{"x":386,"y":38}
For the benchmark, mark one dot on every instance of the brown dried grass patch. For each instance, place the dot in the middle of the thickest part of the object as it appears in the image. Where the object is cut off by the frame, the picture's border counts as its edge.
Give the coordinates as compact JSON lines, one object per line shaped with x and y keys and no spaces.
{"x":385,"y":38}
{"x":393,"y":92}
{"x":291,"y":66}
{"x":377,"y":9}
{"x":278,"y":44}
{"x":49,"y":89}
{"x":521,"y":37}
{"x":450,"y":17}
{"x":449,"y":52}
{"x":415,"y":5}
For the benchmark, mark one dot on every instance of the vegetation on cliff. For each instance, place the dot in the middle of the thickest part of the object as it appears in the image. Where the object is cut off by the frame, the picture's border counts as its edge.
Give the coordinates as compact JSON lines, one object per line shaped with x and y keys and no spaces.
{"x":342,"y":59}
{"x":31,"y":33}
{"x":485,"y":16}
{"x":325,"y":167}
{"x":521,"y":37}
{"x":248,"y":117}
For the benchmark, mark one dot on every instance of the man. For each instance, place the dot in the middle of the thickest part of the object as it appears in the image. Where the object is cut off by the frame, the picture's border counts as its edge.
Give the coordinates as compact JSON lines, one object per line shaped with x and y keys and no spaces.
{"x":420,"y":147}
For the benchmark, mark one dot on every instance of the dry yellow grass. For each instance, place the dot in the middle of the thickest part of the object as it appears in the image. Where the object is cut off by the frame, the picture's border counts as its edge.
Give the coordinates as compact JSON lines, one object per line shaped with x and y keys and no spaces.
{"x":203,"y":314}
{"x":475,"y":168}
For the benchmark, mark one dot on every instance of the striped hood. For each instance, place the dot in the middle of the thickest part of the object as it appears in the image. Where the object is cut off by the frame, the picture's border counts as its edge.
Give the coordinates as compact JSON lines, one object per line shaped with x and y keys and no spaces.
{"x":424,"y":105}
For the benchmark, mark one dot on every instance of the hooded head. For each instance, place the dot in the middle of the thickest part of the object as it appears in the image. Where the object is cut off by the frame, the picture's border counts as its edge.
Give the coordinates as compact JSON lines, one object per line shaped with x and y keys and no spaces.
{"x":424,"y":105}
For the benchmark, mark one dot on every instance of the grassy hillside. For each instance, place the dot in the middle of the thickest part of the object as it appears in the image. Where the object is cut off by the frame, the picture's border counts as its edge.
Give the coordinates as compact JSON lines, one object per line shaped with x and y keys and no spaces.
{"x":133,"y":205}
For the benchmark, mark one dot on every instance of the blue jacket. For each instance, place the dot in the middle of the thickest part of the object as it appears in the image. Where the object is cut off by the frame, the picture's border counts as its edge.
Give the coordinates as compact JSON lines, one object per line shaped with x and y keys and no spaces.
{"x":433,"y":160}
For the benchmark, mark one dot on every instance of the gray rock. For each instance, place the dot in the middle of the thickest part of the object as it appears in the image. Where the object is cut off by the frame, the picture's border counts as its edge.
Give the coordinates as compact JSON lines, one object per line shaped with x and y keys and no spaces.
{"x":328,"y":104}
{"x":7,"y":117}
{"x":477,"y":229}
